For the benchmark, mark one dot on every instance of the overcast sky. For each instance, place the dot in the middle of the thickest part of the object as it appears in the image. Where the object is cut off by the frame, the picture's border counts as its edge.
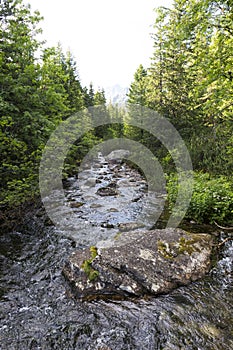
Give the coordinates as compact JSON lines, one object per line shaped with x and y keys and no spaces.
{"x":109,"y":39}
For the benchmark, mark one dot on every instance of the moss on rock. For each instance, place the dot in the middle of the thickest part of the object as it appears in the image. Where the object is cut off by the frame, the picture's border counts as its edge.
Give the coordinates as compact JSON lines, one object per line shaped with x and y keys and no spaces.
{"x":87,"y":265}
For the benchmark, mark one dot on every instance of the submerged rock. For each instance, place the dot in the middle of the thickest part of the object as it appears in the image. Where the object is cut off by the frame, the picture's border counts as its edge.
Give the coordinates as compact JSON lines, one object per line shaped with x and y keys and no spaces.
{"x":138,"y":264}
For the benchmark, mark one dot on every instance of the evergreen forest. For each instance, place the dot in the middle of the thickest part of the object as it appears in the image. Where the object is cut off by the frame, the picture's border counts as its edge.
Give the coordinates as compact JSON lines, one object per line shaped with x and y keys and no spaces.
{"x":189,"y":81}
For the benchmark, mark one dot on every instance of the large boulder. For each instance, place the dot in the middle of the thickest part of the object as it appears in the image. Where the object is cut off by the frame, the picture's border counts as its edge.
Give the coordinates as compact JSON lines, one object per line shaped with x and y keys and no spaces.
{"x":118,"y":154}
{"x":138,"y":264}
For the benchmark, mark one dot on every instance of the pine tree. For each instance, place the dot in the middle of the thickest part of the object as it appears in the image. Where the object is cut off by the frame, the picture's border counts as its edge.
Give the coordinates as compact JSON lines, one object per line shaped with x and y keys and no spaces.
{"x":137,"y":98}
{"x":72,"y":84}
{"x":35,"y":96}
{"x":20,"y":105}
{"x":61,"y":90}
{"x":138,"y":88}
{"x":190,"y":78}
{"x":88,"y":95}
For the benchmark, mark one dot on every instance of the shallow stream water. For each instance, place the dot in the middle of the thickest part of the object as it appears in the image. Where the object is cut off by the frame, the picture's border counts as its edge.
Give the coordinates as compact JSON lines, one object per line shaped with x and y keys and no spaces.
{"x":37,"y":312}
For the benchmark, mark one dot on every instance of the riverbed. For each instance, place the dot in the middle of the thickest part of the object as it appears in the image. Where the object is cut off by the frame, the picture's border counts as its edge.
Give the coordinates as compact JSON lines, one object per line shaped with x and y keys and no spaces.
{"x":37,"y":312}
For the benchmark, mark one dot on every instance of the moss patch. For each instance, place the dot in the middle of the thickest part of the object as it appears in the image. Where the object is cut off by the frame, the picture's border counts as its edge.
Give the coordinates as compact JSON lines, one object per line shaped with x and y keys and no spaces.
{"x":173,"y":249}
{"x":187,"y":245}
{"x":164,"y":249}
{"x":87,"y":265}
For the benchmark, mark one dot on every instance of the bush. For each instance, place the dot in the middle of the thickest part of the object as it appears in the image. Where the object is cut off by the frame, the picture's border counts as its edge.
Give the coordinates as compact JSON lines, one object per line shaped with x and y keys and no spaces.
{"x":212,"y":198}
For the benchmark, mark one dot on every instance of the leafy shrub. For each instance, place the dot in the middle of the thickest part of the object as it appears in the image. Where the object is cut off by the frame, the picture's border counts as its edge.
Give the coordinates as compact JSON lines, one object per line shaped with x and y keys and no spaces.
{"x":212,"y":198}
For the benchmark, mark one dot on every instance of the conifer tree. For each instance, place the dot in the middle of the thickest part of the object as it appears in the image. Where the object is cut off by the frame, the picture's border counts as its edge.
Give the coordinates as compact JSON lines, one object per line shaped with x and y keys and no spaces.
{"x":190,"y":79}
{"x":137,"y":97}
{"x":20,"y":106}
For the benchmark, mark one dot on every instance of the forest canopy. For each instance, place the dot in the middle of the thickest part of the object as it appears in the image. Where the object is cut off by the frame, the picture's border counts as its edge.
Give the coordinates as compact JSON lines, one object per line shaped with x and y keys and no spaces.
{"x":37,"y":92}
{"x":189,"y":81}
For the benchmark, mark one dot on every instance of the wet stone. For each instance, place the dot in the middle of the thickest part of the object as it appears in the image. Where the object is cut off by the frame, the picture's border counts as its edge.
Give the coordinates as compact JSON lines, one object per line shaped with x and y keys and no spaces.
{"x":90,"y":182}
{"x":136,"y":199}
{"x":139,"y":263}
{"x":97,"y":165}
{"x":130,"y":226}
{"x":107,"y":225}
{"x":95,"y":205}
{"x":76,"y":204}
{"x":107,"y":191}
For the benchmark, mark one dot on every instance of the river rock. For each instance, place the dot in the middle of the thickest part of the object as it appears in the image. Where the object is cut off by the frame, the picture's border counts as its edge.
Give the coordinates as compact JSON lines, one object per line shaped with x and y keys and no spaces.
{"x":138,"y":264}
{"x":90,"y":182}
{"x":109,"y":190}
{"x":118,"y":154}
{"x":130,"y":226}
{"x":76,"y":204}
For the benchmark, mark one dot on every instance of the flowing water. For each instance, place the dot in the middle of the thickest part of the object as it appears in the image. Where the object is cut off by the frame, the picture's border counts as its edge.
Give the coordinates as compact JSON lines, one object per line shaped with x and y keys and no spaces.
{"x":37,"y":312}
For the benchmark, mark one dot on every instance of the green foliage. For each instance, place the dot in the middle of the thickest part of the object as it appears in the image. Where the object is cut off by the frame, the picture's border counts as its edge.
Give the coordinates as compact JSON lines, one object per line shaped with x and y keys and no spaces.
{"x":77,"y":152}
{"x":89,"y":95}
{"x":190,"y":83}
{"x":117,"y":116}
{"x":138,"y":88}
{"x":36,"y":94}
{"x":137,"y":96}
{"x":212,"y":198}
{"x":190,"y":79}
{"x":21,"y":122}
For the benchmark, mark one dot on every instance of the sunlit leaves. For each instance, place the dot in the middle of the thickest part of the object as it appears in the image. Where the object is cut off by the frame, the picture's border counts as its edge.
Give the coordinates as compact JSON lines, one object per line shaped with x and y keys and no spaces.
{"x":191,"y":78}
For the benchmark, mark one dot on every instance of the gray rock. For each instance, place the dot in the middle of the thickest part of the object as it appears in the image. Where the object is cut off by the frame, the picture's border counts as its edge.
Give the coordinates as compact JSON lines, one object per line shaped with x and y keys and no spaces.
{"x":107,"y":191}
{"x":118,"y":154}
{"x":90,"y":182}
{"x":76,"y":204}
{"x":113,"y":210}
{"x":130,"y":226}
{"x":138,"y":264}
{"x":107,"y":225}
{"x":95,"y":205}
